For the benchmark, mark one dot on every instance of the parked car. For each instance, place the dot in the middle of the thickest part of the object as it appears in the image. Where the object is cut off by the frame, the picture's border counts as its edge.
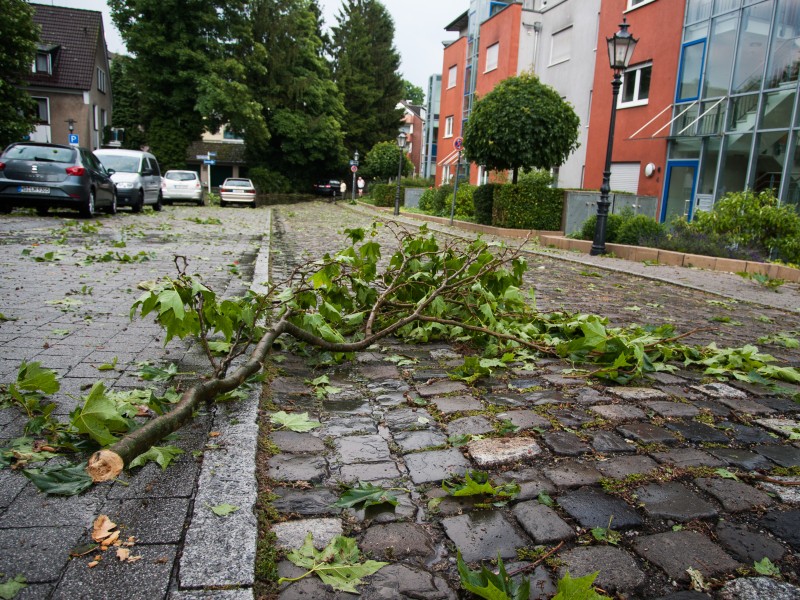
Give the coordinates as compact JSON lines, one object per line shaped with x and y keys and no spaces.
{"x":45,"y":176}
{"x":137,"y":175}
{"x":181,"y":185}
{"x":327,"y":187}
{"x":237,"y":191}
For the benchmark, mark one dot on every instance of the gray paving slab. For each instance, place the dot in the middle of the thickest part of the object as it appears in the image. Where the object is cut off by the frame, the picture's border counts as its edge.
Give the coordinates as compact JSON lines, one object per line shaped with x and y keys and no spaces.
{"x":484,"y":535}
{"x":542,"y":523}
{"x":674,"y":501}
{"x":435,"y":465}
{"x":593,"y":508}
{"x":37,"y":552}
{"x":618,"y":570}
{"x":676,"y":551}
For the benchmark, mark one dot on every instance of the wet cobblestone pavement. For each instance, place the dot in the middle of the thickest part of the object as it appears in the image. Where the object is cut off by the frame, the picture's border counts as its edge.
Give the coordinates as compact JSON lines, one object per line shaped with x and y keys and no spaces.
{"x":645,"y":458}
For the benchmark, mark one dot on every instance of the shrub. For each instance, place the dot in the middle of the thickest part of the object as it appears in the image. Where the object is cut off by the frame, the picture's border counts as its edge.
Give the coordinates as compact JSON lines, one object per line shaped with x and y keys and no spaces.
{"x":267,"y":181}
{"x":528,"y":205}
{"x":681,"y":236}
{"x":383,"y":194}
{"x":442,"y":199}
{"x":426,"y":200}
{"x":464,"y":208}
{"x":483,"y":199}
{"x":636,"y":228}
{"x":613,"y":224}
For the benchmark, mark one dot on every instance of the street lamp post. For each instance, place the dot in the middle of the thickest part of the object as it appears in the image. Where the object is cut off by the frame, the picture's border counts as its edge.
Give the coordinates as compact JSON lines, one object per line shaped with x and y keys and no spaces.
{"x":620,"y":51}
{"x":355,"y":164}
{"x":401,"y":143}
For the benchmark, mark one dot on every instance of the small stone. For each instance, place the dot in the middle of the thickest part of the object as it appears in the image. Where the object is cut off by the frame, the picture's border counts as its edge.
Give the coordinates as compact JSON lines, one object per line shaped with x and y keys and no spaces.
{"x":305,"y":502}
{"x":745,"y":406}
{"x":542,"y":523}
{"x":441,"y":388}
{"x":572,"y":474}
{"x":407,"y":419}
{"x":618,"y":412}
{"x":720,"y":390}
{"x":785,"y":456}
{"x":417,"y":440}
{"x":562,"y":381}
{"x":606,"y":442}
{"x":291,"y":441}
{"x":483,"y":535}
{"x":399,"y":581}
{"x":498,"y":451}
{"x":759,"y":588}
{"x":526,"y":419}
{"x":744,"y":434}
{"x":297,"y":467}
{"x":348,"y":426}
{"x":594,"y":508}
{"x":589,"y":396}
{"x":396,"y":541}
{"x":435,"y":465}
{"x":506,"y":399}
{"x":469,"y":426}
{"x":371,"y":472}
{"x":698,"y":432}
{"x":744,"y":459}
{"x":646,"y":433}
{"x":674,"y":501}
{"x":637,"y":393}
{"x":618,"y":569}
{"x":788,"y":494}
{"x":784,"y":525}
{"x":291,"y":535}
{"x":622,"y":466}
{"x":748,"y":546}
{"x":565,"y":443}
{"x":451,"y":404}
{"x":676,"y":551}
{"x":687,"y":457}
{"x":734,"y":496}
{"x":672,"y":409}
{"x":362,"y":449}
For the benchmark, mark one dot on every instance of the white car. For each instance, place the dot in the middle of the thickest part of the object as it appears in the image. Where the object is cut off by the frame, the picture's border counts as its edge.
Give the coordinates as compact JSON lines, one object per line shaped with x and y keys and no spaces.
{"x":181,"y":186}
{"x":237,"y":191}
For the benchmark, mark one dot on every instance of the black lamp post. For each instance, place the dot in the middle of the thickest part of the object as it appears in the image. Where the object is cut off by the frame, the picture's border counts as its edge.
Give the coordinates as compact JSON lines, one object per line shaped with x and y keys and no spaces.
{"x":620,"y":51}
{"x":401,"y":143}
{"x":355,"y":164}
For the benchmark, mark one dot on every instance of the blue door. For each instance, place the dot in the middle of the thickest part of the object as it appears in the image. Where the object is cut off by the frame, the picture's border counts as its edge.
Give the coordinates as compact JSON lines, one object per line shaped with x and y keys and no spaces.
{"x":679,"y":189}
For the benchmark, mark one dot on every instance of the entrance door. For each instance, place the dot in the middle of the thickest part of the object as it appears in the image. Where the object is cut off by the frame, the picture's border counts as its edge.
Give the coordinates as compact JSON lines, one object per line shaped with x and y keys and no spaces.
{"x":679,"y":188}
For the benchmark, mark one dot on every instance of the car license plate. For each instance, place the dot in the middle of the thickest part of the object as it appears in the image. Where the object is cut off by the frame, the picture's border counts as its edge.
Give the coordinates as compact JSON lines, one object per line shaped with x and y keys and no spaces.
{"x":27,"y":189}
{"x":181,"y":187}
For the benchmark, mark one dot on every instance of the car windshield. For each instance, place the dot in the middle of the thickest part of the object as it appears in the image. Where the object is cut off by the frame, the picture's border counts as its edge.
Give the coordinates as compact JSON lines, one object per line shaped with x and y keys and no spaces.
{"x":42,"y":153}
{"x":120,"y":164}
{"x":181,"y":175}
{"x":238,"y":183}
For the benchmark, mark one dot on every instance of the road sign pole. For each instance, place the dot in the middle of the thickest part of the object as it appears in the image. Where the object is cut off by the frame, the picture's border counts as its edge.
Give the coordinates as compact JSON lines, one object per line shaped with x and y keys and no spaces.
{"x":455,"y":188}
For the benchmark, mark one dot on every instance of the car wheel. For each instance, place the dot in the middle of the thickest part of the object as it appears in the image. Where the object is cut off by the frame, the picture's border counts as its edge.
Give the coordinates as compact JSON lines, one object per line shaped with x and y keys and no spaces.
{"x":87,"y":211}
{"x":139,"y":204}
{"x":201,"y":202}
{"x":112,"y":208}
{"x":5,"y":210}
{"x":42,"y":211}
{"x":253,"y":204}
{"x":159,"y":203}
{"x":221,"y":203}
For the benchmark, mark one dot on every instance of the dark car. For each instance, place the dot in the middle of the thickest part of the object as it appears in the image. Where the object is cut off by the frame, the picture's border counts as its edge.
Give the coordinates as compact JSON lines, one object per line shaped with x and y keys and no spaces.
{"x":45,"y":176}
{"x":327,"y":187}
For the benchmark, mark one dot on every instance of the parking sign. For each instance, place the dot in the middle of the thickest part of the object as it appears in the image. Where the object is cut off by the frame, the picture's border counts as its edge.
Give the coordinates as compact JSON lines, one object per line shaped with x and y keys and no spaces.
{"x":74,"y":139}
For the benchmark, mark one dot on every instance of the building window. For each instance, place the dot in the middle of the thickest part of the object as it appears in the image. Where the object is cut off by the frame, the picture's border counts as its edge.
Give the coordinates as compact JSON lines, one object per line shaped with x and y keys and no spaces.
{"x":496,"y":7}
{"x":560,"y":46}
{"x":448,"y":127}
{"x":635,"y":86}
{"x":42,"y":111}
{"x":43,"y":63}
{"x":635,"y":3}
{"x":101,"y":80}
{"x":95,"y":117}
{"x":452,"y":75}
{"x":691,"y":71}
{"x":491,"y":57}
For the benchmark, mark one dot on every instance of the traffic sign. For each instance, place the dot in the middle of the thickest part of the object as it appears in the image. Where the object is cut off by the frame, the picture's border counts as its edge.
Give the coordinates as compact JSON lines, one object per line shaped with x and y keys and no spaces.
{"x":353,"y":163}
{"x":201,"y":156}
{"x":458,"y":143}
{"x":74,"y":139}
{"x":212,"y":154}
{"x":354,"y":168}
{"x":209,"y":162}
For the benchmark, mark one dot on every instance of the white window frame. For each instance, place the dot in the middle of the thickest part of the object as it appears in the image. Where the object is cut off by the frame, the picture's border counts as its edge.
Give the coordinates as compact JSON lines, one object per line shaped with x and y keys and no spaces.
{"x":633,"y":4}
{"x":95,"y":117}
{"x":35,"y":65}
{"x":636,"y":71}
{"x":47,"y":103}
{"x":452,"y":76}
{"x":101,"y":80}
{"x":492,"y":52}
{"x":448,"y":127}
{"x":557,"y":60}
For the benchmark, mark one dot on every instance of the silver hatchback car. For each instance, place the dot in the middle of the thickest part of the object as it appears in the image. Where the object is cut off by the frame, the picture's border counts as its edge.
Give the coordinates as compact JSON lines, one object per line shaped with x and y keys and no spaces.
{"x":183,"y":186}
{"x":235,"y":190}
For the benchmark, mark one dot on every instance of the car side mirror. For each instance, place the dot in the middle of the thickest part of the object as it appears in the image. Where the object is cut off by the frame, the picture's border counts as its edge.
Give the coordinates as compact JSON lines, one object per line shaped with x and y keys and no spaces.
{"x":147,"y":172}
{"x":110,"y":171}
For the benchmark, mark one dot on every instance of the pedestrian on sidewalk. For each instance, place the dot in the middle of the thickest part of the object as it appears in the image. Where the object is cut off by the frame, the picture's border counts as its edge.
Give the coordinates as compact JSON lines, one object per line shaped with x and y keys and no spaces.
{"x":343,"y":188}
{"x":360,"y":184}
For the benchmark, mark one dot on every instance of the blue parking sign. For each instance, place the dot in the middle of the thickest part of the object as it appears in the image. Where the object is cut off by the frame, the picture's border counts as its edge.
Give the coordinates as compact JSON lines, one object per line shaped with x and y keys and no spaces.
{"x":73,"y":139}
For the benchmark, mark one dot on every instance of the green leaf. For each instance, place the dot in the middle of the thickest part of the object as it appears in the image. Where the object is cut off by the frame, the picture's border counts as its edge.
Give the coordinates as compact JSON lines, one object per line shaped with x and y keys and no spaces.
{"x":726,"y":474}
{"x":150,"y":372}
{"x":336,"y":565}
{"x":99,"y":417}
{"x":32,"y":377}
{"x":171,"y":300}
{"x":579,"y":588}
{"x":224,"y":509}
{"x":293,"y":421}
{"x":544,"y":498}
{"x":163,"y":455}
{"x":487,"y":585}
{"x":766,"y":567}
{"x":12,"y":587}
{"x":108,"y":366}
{"x":367,"y":493}
{"x":61,"y":480}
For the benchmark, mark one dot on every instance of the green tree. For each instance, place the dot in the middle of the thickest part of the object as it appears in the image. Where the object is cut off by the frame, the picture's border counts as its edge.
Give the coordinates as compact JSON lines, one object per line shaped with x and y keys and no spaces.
{"x":300,"y":102}
{"x":383,"y":160}
{"x":365,"y":67}
{"x":126,"y":113}
{"x":413,"y":93}
{"x":521,"y":123}
{"x":18,"y":37}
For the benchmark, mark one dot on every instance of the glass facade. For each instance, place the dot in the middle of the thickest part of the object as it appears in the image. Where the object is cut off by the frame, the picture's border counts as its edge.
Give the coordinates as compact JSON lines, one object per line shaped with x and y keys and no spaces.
{"x":737,"y":100}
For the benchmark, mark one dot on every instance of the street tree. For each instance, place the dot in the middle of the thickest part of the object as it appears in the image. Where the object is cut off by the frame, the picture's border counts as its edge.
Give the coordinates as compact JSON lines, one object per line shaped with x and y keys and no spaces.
{"x":413,"y":93}
{"x":521,"y":123}
{"x":126,"y":115}
{"x":18,"y":38}
{"x":383,"y":161}
{"x":365,"y":67}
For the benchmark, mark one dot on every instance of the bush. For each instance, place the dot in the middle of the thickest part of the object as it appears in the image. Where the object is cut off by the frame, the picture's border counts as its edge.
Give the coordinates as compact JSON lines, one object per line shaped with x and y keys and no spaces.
{"x":442,"y":199}
{"x":613,"y":224}
{"x":483,"y":199}
{"x":528,"y":205}
{"x":383,"y":194}
{"x":464,"y":208}
{"x":426,"y":200}
{"x":267,"y":181}
{"x":636,"y":228}
{"x":681,"y":236}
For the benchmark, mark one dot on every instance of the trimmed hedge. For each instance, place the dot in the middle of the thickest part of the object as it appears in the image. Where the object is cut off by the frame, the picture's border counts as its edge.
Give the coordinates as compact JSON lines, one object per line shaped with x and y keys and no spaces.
{"x":483,"y":199}
{"x":528,"y":205}
{"x":383,"y":194}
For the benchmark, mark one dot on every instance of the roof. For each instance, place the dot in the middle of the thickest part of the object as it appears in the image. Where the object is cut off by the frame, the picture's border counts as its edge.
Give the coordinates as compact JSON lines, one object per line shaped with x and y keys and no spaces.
{"x":414,"y":108}
{"x":73,"y":35}
{"x":460,"y":23}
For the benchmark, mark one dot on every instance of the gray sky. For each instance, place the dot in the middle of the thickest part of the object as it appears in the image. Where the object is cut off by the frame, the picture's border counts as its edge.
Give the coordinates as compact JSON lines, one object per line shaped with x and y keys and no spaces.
{"x":419,"y":30}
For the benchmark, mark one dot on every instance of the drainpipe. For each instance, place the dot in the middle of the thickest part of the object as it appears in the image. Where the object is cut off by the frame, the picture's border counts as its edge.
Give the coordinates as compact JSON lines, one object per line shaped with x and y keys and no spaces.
{"x":537,"y":29}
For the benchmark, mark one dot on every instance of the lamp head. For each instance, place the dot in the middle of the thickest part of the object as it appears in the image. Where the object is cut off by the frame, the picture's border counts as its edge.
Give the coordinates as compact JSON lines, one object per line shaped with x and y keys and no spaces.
{"x":401,"y":139}
{"x":355,"y":155}
{"x":620,"y":47}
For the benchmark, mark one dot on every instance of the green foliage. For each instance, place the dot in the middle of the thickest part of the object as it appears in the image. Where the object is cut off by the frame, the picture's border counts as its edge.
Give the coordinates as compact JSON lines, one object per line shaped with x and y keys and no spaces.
{"x":99,"y":417}
{"x":268,"y":181}
{"x":127,"y":113}
{"x":293,"y":421}
{"x":521,"y":123}
{"x":766,"y":567}
{"x":579,"y":588}
{"x":383,"y":194}
{"x":224,"y":509}
{"x":426,"y":200}
{"x":162,"y":455}
{"x":756,"y":220}
{"x":383,"y":161}
{"x":322,"y":386}
{"x":336,"y":565}
{"x":413,"y":93}
{"x":476,"y":483}
{"x":636,"y":229}
{"x":442,"y":200}
{"x":764,"y":280}
{"x":613,"y":224}
{"x":18,"y":38}
{"x":528,"y":205}
{"x":13,"y":586}
{"x":366,"y":494}
{"x":483,"y":199}
{"x":60,"y":480}
{"x":606,"y":534}
{"x":487,"y":585}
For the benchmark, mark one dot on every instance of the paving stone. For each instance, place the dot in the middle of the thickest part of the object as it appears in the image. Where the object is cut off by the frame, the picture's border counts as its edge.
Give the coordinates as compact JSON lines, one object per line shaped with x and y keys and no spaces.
{"x":525,"y":383}
{"x":407,"y":419}
{"x":606,"y":442}
{"x":305,"y":502}
{"x":622,"y":466}
{"x":744,"y":459}
{"x":469,"y":426}
{"x":712,"y":407}
{"x":390,"y":400}
{"x":492,"y":452}
{"x":588,"y":395}
{"x":297,"y":467}
{"x":397,"y":541}
{"x":542,"y":585}
{"x":542,"y":523}
{"x":405,"y":510}
{"x":441,"y":388}
{"x":417,"y":440}
{"x":634,"y":394}
{"x":687,"y":457}
{"x":362,"y":449}
{"x":572,"y":474}
{"x":562,"y":381}
{"x":789,"y":493}
{"x":56,"y":511}
{"x":428,"y":375}
{"x":546,"y":397}
{"x":759,"y":588}
{"x":371,"y":472}
{"x":785,"y":456}
{"x":672,"y":409}
{"x":37,"y":552}
{"x":404,"y":582}
{"x":435,"y":465}
{"x":676,"y":551}
{"x":348,"y":426}
{"x":673,"y":501}
{"x":784,"y":525}
{"x":294,"y":442}
{"x":748,"y":546}
{"x":483,"y":535}
{"x":345,"y":403}
{"x":685,"y":595}
{"x":618,"y":412}
{"x":11,"y":484}
{"x":150,"y":520}
{"x":783,"y":427}
{"x":698,"y":432}
{"x":781,"y":405}
{"x":531,"y":482}
{"x":666,"y":378}
{"x":593,"y":508}
{"x":720,"y":390}
{"x":505,"y":399}
{"x":743,"y":434}
{"x":571,"y":418}
{"x":565,"y":443}
{"x":379,"y":372}
{"x":290,"y":535}
{"x":734,"y":496}
{"x":745,"y":406}
{"x":451,"y":404}
{"x":646,"y":433}
{"x":618,"y":569}
{"x":238,"y":594}
{"x":526,"y":419}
